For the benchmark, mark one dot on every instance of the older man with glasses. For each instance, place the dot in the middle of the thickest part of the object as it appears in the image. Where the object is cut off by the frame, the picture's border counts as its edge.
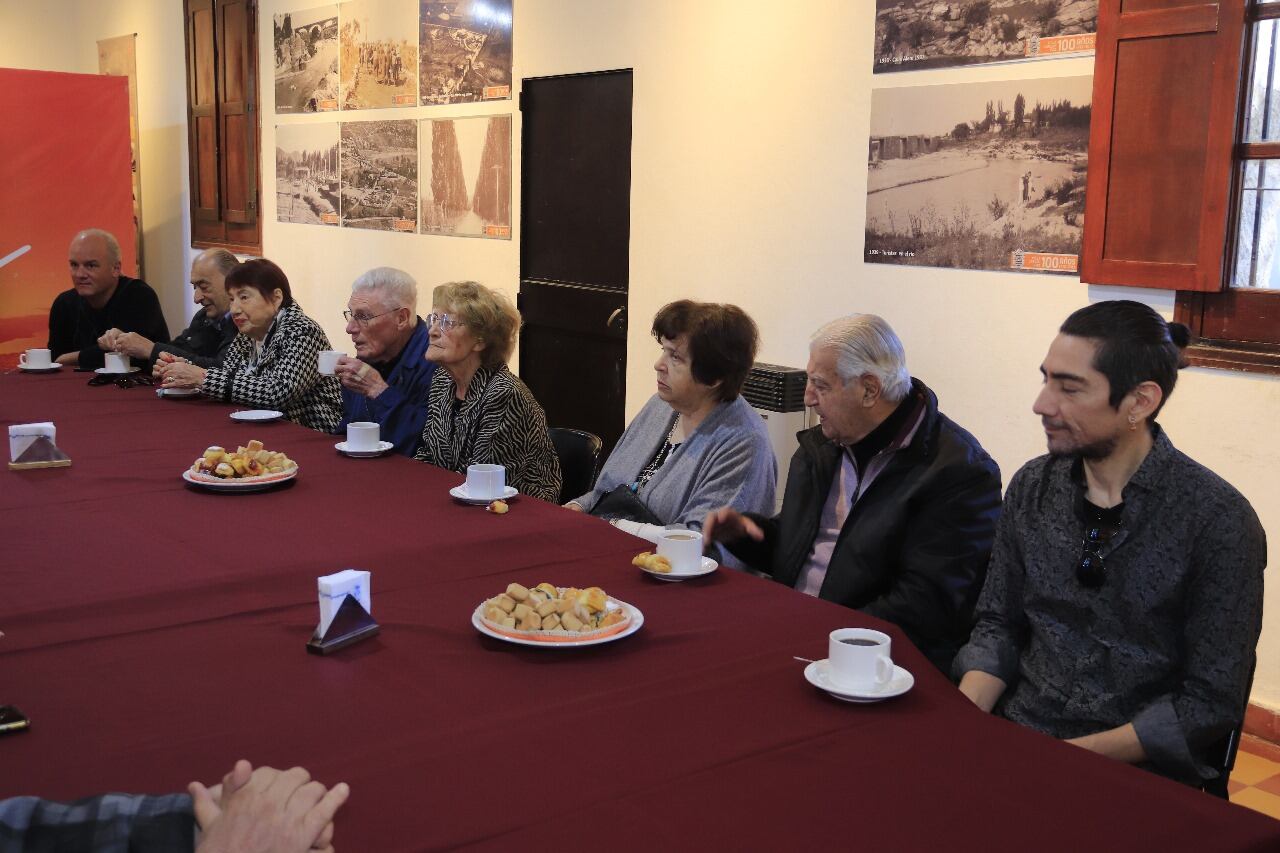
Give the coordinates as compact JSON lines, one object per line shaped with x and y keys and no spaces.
{"x":389,"y":379}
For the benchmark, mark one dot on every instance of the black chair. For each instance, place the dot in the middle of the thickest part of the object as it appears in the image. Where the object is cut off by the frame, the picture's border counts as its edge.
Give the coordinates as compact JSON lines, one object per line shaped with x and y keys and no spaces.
{"x":1222,"y":755}
{"x":579,"y":453}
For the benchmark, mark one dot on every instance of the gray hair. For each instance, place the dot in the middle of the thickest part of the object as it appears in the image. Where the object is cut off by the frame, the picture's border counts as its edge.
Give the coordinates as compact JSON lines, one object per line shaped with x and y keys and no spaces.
{"x":865,"y":343}
{"x":396,"y":285}
{"x":222,"y":260}
{"x":113,"y":245}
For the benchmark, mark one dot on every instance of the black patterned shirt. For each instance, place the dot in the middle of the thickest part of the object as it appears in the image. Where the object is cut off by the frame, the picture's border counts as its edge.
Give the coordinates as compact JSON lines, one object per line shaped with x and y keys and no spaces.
{"x":1166,"y":643}
{"x":499,"y":423}
{"x":110,"y":823}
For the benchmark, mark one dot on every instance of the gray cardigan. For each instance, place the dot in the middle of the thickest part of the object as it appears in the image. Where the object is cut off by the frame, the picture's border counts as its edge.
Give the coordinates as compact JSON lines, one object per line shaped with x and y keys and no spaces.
{"x":726,"y":462}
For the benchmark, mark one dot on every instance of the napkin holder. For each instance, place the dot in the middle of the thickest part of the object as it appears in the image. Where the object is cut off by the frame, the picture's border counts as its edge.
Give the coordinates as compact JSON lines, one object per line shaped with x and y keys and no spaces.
{"x":351,"y":624}
{"x":40,"y":453}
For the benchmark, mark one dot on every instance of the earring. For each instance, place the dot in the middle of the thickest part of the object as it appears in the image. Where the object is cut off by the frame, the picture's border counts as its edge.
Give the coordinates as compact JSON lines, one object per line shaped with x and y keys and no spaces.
{"x":1133,"y":423}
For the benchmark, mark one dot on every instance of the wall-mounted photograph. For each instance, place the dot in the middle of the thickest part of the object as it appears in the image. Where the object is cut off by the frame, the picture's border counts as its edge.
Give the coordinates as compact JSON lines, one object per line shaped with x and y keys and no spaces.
{"x":306,"y":46}
{"x":466,"y":50}
{"x":987,"y":176}
{"x":915,"y":34}
{"x":379,"y":41}
{"x":380,"y":175}
{"x":466,"y":177}
{"x":308,"y":173}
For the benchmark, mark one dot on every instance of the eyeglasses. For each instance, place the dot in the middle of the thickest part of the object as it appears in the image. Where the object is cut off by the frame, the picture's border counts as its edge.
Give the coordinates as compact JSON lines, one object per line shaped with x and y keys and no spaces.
{"x":363,"y":319}
{"x":1092,"y":571}
{"x":446,"y":322}
{"x":120,"y":380}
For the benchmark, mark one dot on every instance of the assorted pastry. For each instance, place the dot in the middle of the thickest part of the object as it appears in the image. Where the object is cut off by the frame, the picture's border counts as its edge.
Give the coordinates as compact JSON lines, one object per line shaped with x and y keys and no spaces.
{"x":251,"y":460}
{"x":550,"y":612}
{"x":652,"y":563}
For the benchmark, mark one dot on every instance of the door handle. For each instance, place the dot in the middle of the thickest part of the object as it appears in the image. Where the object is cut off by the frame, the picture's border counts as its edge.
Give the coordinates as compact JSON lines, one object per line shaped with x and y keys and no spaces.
{"x":620,"y":311}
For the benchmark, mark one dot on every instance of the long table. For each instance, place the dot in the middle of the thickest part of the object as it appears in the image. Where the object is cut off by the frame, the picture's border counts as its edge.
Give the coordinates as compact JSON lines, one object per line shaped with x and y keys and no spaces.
{"x":155,"y":633}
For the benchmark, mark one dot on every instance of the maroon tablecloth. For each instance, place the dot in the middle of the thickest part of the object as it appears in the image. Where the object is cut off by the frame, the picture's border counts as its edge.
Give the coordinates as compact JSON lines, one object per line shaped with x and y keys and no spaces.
{"x":155,"y":634}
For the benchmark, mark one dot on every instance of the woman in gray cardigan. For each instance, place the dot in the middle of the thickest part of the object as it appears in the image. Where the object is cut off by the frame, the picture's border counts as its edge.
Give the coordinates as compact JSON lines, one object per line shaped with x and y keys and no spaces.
{"x":696,"y":445}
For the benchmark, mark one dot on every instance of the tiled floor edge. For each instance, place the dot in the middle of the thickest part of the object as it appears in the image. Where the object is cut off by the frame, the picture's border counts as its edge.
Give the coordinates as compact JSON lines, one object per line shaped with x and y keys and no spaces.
{"x":1262,"y":723}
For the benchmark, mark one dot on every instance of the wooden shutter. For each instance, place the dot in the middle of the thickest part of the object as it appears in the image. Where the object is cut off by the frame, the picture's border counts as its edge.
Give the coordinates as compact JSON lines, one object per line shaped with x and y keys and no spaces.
{"x":1165,"y":96}
{"x":202,"y":118}
{"x":236,"y":112}
{"x":222,"y":122}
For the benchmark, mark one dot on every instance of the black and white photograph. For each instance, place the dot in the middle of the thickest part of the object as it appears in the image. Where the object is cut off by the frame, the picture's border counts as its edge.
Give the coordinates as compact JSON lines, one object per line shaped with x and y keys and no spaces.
{"x":466,"y":177}
{"x":379,"y":45}
{"x":915,"y":34}
{"x":306,"y":45}
{"x":307,"y":173}
{"x":466,"y":51}
{"x":986,"y":176}
{"x":380,"y":175}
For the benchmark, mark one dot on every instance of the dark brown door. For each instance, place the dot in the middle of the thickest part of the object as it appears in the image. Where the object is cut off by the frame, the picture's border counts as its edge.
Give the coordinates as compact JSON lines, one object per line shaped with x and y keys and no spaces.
{"x":575,"y":232}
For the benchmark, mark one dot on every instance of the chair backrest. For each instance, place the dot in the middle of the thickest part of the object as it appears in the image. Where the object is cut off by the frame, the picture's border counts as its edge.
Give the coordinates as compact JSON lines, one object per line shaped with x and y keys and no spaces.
{"x":579,"y":453}
{"x":1222,"y":755}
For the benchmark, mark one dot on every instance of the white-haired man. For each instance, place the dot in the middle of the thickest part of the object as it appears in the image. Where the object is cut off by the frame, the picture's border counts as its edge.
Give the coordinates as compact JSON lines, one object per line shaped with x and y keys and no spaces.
{"x":890,"y":506}
{"x":205,"y":341}
{"x":100,"y":298}
{"x":389,"y":380}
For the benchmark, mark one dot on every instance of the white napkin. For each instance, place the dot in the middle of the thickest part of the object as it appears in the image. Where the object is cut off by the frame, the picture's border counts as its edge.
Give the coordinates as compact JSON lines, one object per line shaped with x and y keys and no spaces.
{"x":336,"y":587}
{"x":22,"y":436}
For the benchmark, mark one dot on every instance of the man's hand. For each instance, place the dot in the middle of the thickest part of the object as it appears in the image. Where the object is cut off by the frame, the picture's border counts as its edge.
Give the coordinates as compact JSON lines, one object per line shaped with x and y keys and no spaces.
{"x":357,"y":376}
{"x":180,"y":374}
{"x":71,"y":358}
{"x":573,"y":505}
{"x":134,"y":344}
{"x":266,"y":811}
{"x":727,"y":524}
{"x":107,"y":343}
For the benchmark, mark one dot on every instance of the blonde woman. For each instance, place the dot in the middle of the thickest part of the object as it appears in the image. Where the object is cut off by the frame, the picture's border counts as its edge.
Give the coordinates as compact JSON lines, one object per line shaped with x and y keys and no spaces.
{"x":478,"y":410}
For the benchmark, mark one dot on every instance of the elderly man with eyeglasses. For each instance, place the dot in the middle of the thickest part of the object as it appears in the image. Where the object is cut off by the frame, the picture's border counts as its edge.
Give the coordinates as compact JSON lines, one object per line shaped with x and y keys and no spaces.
{"x":389,"y":379}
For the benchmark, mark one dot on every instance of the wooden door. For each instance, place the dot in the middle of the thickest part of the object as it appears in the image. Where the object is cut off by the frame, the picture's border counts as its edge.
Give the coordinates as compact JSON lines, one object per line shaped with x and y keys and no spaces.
{"x":575,"y":238}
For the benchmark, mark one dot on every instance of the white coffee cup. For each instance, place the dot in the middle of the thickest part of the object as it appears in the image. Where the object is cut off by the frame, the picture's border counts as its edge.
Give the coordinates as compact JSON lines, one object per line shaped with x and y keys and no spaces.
{"x":117,"y":362}
{"x":328,"y":361}
{"x":36,"y":359}
{"x":858,"y":659}
{"x":486,"y":481}
{"x":682,"y":548}
{"x":362,"y":435}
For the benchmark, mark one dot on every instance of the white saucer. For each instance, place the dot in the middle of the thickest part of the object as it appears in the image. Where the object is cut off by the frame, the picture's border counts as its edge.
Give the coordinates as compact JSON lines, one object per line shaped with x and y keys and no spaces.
{"x":708,"y":566}
{"x":460,"y":493}
{"x":105,"y":372}
{"x":260,"y":416}
{"x":53,"y":368}
{"x":817,"y":674}
{"x":383,"y":447}
{"x":177,"y":392}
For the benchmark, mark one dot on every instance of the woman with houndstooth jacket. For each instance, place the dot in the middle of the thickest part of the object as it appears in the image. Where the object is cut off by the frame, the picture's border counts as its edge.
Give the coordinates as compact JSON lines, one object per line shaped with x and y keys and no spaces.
{"x":272,"y":362}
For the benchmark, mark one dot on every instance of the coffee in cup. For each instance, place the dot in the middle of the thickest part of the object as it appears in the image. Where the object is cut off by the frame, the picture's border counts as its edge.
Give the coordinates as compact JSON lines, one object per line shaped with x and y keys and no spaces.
{"x":858,"y":659}
{"x":682,"y":548}
{"x":487,"y":482}
{"x":117,"y":362}
{"x":36,"y":359}
{"x":362,"y":436}
{"x":328,"y":361}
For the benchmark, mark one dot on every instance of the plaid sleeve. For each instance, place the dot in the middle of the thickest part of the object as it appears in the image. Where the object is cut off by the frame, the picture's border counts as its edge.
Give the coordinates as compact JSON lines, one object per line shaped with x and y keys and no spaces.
{"x":110,"y":823}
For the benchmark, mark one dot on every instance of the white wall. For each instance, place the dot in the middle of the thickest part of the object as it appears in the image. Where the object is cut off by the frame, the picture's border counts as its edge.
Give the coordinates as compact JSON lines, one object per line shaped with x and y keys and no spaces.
{"x":748,"y":185}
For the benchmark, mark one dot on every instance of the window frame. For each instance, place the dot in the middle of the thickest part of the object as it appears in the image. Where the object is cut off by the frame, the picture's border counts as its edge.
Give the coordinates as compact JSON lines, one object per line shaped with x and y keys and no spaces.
{"x":1237,"y":328}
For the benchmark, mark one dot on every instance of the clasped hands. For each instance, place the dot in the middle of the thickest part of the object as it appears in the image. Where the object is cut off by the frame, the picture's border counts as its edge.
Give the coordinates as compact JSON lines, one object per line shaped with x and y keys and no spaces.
{"x":174,"y":372}
{"x":130,"y":343}
{"x":266,"y":811}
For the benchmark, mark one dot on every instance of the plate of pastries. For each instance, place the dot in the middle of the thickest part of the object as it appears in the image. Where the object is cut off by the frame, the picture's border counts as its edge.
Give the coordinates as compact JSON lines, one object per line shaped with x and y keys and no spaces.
{"x":556,"y":617}
{"x":250,"y":468}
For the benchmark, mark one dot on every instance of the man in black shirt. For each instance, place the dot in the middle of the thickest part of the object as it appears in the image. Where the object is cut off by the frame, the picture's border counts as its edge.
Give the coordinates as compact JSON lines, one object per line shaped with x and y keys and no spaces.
{"x":99,"y":299}
{"x":205,"y":341}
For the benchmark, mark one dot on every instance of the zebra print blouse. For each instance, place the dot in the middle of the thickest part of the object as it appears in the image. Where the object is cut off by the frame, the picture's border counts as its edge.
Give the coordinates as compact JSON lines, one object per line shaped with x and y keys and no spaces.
{"x":498,"y":423}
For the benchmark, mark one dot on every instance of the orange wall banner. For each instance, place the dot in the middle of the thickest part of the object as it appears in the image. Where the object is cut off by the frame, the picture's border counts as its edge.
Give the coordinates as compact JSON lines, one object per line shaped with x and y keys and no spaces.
{"x":65,"y":165}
